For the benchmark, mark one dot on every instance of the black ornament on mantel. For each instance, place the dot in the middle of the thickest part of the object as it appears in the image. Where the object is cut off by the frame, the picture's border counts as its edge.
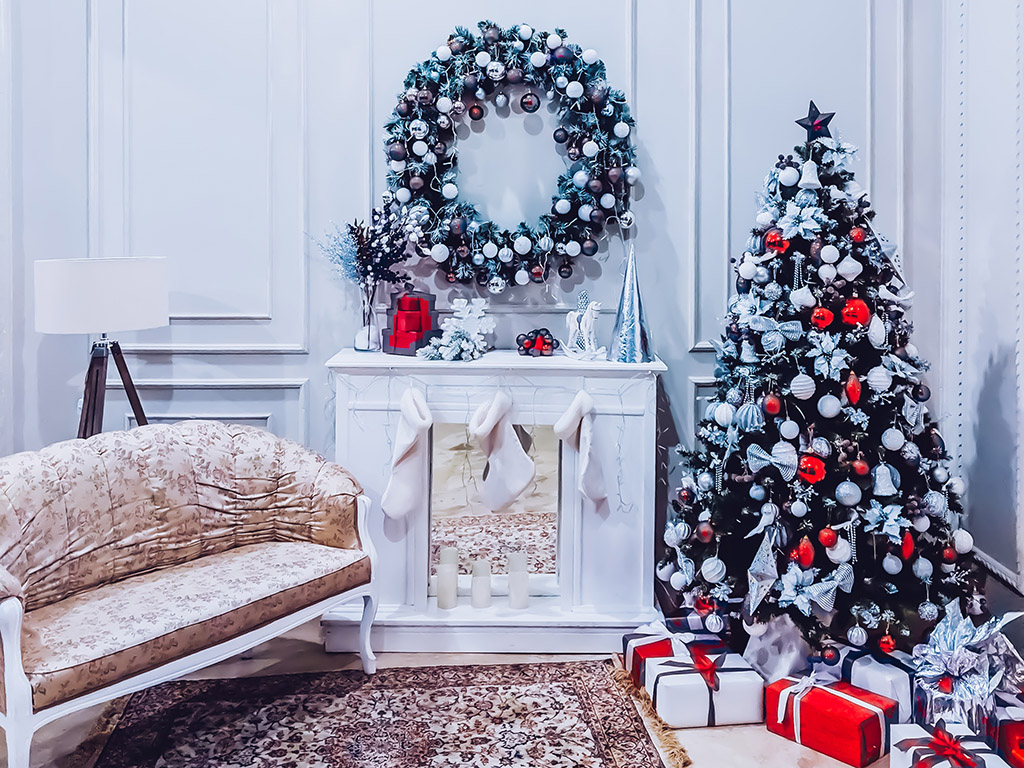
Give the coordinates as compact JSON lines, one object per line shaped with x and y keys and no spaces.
{"x":816,"y":122}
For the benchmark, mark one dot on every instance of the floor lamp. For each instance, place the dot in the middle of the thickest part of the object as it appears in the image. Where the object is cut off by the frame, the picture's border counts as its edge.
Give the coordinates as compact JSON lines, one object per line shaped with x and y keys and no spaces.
{"x":101,"y":296}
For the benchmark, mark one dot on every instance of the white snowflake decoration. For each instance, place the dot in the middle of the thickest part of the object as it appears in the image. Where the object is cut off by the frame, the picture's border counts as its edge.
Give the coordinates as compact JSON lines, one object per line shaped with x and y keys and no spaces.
{"x":463,"y":337}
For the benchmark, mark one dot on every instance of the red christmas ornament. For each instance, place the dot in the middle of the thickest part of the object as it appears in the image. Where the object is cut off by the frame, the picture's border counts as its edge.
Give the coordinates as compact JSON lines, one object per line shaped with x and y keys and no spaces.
{"x":812,"y":469}
{"x":853,"y":388}
{"x":704,"y":605}
{"x":822,"y":317}
{"x":856,"y":312}
{"x":771,"y":404}
{"x":774,"y":240}
{"x":686,"y":495}
{"x":705,"y":532}
{"x":946,"y":684}
{"x":828,"y":537}
{"x":805,"y":553}
{"x":907,"y":546}
{"x":949,"y":555}
{"x":476,"y":112}
{"x":886,"y":644}
{"x":830,"y":655}
{"x":858,"y":235}
{"x":860,"y":467}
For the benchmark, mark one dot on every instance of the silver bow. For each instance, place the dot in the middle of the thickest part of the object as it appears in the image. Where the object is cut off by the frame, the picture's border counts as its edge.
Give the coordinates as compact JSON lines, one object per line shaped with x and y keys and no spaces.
{"x":773,"y":333}
{"x":782,"y":457}
{"x":824,"y":592}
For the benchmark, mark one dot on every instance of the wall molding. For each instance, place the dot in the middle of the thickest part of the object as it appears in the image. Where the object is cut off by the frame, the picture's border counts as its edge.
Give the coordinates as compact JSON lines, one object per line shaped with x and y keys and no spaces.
{"x":7,"y":274}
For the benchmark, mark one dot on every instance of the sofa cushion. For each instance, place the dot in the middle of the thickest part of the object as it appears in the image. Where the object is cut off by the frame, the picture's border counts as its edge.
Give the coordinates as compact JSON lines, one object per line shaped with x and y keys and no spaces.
{"x":117,"y":630}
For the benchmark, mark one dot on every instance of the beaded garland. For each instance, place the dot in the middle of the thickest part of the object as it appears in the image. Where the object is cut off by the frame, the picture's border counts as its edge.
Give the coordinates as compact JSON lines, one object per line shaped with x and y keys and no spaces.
{"x":511,"y":68}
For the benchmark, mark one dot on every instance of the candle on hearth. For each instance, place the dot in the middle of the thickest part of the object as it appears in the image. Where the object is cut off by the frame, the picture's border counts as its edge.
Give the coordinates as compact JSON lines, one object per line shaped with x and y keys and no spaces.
{"x":480,"y":594}
{"x":449,"y":555}
{"x":518,"y":590}
{"x":516,"y":562}
{"x":447,"y":585}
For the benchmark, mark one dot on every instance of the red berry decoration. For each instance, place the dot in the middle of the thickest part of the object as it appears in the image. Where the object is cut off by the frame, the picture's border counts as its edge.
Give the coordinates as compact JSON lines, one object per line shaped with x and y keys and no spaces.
{"x":773,"y":239}
{"x":949,"y":555}
{"x":856,"y":312}
{"x":853,"y":388}
{"x":858,"y":235}
{"x":822,"y":317}
{"x":541,"y":343}
{"x":907,"y":546}
{"x":830,"y":656}
{"x":828,"y":537}
{"x":886,"y":644}
{"x":794,"y":554}
{"x":771,"y":404}
{"x":812,"y":469}
{"x":860,"y":467}
{"x":705,"y":532}
{"x":805,"y":553}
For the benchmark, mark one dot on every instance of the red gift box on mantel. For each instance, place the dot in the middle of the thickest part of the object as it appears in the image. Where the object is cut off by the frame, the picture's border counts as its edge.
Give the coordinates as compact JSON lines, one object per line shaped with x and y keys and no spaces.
{"x":656,"y":641}
{"x":838,"y":719}
{"x":412,"y":322}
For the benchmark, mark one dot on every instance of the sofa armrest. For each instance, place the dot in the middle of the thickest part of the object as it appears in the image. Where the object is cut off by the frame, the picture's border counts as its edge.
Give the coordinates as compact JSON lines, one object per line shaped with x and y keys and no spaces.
{"x":335,"y":509}
{"x":17,"y":691}
{"x":9,"y":585}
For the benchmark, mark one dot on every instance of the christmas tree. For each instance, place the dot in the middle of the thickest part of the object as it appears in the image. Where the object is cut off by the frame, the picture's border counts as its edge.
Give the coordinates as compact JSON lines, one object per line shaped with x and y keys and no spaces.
{"x":820,"y":487}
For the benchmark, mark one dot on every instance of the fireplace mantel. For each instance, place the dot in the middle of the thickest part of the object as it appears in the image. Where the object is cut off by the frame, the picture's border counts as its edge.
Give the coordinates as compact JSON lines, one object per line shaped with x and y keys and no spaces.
{"x":605,"y":554}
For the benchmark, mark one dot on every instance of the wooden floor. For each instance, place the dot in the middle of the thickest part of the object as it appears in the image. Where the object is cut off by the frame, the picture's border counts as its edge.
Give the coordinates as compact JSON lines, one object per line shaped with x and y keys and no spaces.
{"x":301,"y":651}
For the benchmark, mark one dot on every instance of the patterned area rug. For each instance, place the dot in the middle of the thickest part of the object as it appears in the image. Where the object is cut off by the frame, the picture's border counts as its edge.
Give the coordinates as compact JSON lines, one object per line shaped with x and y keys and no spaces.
{"x":491,"y":537}
{"x":558,"y":715}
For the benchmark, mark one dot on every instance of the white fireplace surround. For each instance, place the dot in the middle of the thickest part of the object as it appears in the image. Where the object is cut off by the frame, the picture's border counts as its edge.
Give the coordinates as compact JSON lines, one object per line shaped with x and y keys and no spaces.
{"x":604,"y":584}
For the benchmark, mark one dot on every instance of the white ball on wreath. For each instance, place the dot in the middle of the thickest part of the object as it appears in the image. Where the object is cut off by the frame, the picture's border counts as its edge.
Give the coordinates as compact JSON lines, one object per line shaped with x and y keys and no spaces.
{"x":490,"y":250}
{"x":522,"y":245}
{"x":420,"y":148}
{"x":626,"y":219}
{"x":562,"y":206}
{"x":580,"y":179}
{"x":449,"y":191}
{"x":496,"y":285}
{"x":892,"y":564}
{"x":444,"y":53}
{"x":963,"y":541}
{"x":585,"y":211}
{"x":607,"y":200}
{"x":443,"y":104}
{"x":430,"y":158}
{"x":538,"y":59}
{"x":505,"y":256}
{"x":574,"y":89}
{"x":418,"y":129}
{"x":633,"y":175}
{"x":525,"y":31}
{"x":403,"y":195}
{"x":522,"y":277}
{"x":554,"y":41}
{"x":589,"y":56}
{"x":501,"y":101}
{"x":572,"y":248}
{"x":483,"y":58}
{"x":591,"y":148}
{"x":439,"y":252}
{"x":478,"y":259}
{"x":621,"y":130}
{"x":561,"y":81}
{"x":545,"y":244}
{"x":397,"y":165}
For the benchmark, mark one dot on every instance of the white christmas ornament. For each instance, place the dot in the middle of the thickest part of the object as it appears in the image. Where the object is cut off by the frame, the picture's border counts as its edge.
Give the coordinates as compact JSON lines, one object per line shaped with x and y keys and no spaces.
{"x":409,"y":460}
{"x":798,"y":509}
{"x":879,"y":379}
{"x":713,"y":570}
{"x":746,"y":269}
{"x":849,"y":268}
{"x":713,"y":622}
{"x":621,"y":130}
{"x":429,"y":158}
{"x":809,"y":176}
{"x":584,"y":212}
{"x":802,"y":298}
{"x":840,"y":552}
{"x":444,"y":105}
{"x":522,"y":277}
{"x":420,"y":147}
{"x":591,"y":148}
{"x":439,"y":252}
{"x":607,"y":200}
{"x":956,"y":486}
{"x":829,"y":406}
{"x":522,"y":245}
{"x":525,"y":31}
{"x":705,"y":481}
{"x":574,"y":89}
{"x":589,"y":56}
{"x":923,"y":568}
{"x":545,"y":244}
{"x":829,"y":254}
{"x":554,"y":41}
{"x":789,"y":176}
{"x":562,"y":206}
{"x":827,"y":273}
{"x":724,"y":414}
{"x":538,"y":59}
{"x":922,"y":523}
{"x":665,"y":571}
{"x":802,"y":386}
{"x":876,"y":332}
{"x":444,"y":53}
{"x":764,"y":219}
{"x":632,"y":175}
{"x":397,"y":165}
{"x":580,"y":179}
{"x":483,"y":58}
{"x":505,"y":256}
{"x":789,"y":429}
{"x":963,"y":541}
{"x":403,"y":195}
{"x":893,"y":439}
{"x":848,"y":494}
{"x":490,"y":250}
{"x":573,"y":248}
{"x":450,"y":191}
{"x":857,"y":635}
{"x":678,"y":581}
{"x":892,"y":564}
{"x":510,"y":468}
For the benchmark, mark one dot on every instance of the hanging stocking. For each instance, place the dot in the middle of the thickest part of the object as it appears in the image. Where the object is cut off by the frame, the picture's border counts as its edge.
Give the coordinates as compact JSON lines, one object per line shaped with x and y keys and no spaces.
{"x":576,"y":427}
{"x":410,"y":460}
{"x":509,"y":469}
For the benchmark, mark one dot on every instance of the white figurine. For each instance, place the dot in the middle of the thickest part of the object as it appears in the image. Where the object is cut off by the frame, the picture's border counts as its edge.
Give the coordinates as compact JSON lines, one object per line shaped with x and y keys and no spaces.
{"x":582,"y":323}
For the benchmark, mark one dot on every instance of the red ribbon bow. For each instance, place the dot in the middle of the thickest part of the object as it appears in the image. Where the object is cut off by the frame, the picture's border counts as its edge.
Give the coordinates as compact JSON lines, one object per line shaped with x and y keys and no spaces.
{"x":943,"y":748}
{"x":708,"y":667}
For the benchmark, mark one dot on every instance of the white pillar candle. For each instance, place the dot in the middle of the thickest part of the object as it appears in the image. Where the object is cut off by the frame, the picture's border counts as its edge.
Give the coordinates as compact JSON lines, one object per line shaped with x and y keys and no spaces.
{"x":447,"y":585}
{"x":518,"y":590}
{"x":516,"y":562}
{"x":449,"y":556}
{"x":480,"y":596}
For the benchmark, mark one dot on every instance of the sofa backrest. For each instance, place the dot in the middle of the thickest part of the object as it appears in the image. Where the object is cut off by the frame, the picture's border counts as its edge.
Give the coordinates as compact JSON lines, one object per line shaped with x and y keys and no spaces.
{"x":82,"y":513}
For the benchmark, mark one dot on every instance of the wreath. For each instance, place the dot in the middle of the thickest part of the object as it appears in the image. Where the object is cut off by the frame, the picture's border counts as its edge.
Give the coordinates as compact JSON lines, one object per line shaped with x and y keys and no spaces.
{"x":500,"y":66}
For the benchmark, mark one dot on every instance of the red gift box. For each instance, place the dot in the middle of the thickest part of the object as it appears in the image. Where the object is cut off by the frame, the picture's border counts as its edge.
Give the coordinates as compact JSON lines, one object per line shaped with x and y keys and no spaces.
{"x":1008,"y":724}
{"x":638,"y":647}
{"x":409,"y":303}
{"x":408,"y":321}
{"x":838,"y":719}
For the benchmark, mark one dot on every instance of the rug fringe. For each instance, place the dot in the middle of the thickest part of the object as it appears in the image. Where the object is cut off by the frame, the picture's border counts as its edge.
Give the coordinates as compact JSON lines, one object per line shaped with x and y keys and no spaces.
{"x":673,"y":752}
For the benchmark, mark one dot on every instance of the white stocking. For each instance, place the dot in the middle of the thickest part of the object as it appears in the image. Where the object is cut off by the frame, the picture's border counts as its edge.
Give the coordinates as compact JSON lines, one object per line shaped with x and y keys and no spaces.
{"x":409,"y":462}
{"x":576,"y":427}
{"x":510,"y":470}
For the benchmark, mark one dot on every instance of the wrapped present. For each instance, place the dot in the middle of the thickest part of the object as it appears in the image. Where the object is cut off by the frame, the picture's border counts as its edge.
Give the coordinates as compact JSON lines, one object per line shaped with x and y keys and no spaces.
{"x":735,"y":692}
{"x":704,"y":616}
{"x":837,"y":719}
{"x":779,"y":651}
{"x":888,"y":674}
{"x":1006,"y":729}
{"x":656,"y":640}
{"x":952,"y":746}
{"x":412,"y":322}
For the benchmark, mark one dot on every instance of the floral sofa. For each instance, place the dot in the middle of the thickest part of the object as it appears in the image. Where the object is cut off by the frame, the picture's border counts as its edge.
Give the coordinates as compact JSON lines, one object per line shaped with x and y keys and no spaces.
{"x":134,"y":557}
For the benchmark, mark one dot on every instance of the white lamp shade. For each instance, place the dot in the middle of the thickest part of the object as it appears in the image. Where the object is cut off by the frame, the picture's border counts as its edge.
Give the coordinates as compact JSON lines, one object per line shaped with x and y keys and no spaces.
{"x":101,"y":295}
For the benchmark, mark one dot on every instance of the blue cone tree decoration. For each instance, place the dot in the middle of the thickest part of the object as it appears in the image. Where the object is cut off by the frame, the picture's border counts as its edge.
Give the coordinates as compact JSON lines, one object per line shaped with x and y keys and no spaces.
{"x":630,"y":340}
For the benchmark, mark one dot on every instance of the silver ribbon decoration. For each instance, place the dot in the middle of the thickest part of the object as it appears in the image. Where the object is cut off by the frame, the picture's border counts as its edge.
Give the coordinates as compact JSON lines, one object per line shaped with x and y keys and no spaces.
{"x":783,"y":458}
{"x":773,"y":333}
{"x":824,"y":592}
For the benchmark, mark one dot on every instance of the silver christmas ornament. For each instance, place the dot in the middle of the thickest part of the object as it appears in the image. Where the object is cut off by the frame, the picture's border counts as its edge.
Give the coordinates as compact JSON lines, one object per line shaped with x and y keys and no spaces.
{"x":849,"y":268}
{"x":841,"y":552}
{"x":665,"y":570}
{"x":923,"y":568}
{"x":857,"y":635}
{"x":724,"y":414}
{"x":630,"y":339}
{"x":734,"y":396}
{"x":626,"y":219}
{"x":789,"y":176}
{"x":705,"y":481}
{"x":496,"y":70}
{"x":789,"y":429}
{"x":798,"y":509}
{"x":893,"y":439}
{"x":496,"y":285}
{"x":928,"y":611}
{"x":829,"y":406}
{"x":885,"y":484}
{"x":935,"y":503}
{"x":822,"y":447}
{"x":757,"y":492}
{"x":802,"y":386}
{"x":809,"y":176}
{"x":848,"y":494}
{"x":829,"y":254}
{"x":714,"y":623}
{"x":892,"y":564}
{"x":418,"y":129}
{"x":712,"y":570}
{"x":963,"y":541}
{"x":940,"y":475}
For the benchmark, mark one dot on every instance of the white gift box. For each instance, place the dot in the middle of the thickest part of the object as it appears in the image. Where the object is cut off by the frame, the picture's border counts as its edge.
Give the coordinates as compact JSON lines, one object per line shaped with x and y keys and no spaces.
{"x":916,"y":750}
{"x":683,"y":698}
{"x":891,"y":675}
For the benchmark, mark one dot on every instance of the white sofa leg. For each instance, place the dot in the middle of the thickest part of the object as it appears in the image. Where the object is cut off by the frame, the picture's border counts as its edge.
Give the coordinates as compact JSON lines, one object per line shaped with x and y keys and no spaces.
{"x":365,"y":651}
{"x":19,"y":743}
